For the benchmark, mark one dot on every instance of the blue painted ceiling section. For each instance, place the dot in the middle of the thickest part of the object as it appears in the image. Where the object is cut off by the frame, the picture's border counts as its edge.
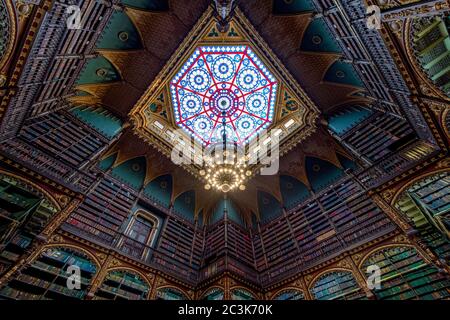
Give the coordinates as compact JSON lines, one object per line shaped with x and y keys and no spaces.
{"x":347,"y":118}
{"x":131,"y":172}
{"x":344,"y":73}
{"x":346,"y":163}
{"x":292,"y":6}
{"x":100,"y":119}
{"x":269,"y":207}
{"x":98,"y":70}
{"x":232,"y":212}
{"x":106,"y":163}
{"x":321,"y":173}
{"x":149,"y":5}
{"x":160,"y":190}
{"x":120,"y":34}
{"x":318,"y":38}
{"x":184,"y":205}
{"x":293,"y":191}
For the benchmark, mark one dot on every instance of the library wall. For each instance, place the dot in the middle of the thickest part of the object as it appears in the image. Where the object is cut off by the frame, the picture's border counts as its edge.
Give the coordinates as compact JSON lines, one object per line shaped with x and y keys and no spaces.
{"x":424,"y":202}
{"x":336,"y":218}
{"x":28,"y":209}
{"x":46,"y":275}
{"x":406,"y":275}
{"x":123,"y":284}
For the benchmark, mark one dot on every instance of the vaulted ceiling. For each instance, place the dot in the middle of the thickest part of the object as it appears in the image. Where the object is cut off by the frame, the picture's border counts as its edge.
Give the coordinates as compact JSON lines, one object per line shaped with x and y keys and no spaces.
{"x":129,"y":57}
{"x":130,"y":53}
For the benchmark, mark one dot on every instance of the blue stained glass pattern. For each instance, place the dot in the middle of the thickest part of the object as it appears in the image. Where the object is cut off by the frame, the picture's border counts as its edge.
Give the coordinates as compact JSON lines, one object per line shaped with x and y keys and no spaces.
{"x":223,"y":90}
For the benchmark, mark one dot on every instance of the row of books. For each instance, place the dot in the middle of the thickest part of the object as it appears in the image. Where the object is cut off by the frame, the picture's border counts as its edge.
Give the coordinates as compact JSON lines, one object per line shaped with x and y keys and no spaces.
{"x":405,"y":275}
{"x":124,"y":285}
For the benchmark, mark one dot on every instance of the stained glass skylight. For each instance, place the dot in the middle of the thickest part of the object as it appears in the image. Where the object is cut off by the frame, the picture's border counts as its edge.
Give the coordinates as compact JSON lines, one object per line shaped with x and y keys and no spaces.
{"x":223,"y":88}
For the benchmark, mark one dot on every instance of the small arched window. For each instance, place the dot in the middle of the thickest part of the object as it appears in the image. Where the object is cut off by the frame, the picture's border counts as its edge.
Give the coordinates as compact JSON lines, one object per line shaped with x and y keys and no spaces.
{"x":139,"y":235}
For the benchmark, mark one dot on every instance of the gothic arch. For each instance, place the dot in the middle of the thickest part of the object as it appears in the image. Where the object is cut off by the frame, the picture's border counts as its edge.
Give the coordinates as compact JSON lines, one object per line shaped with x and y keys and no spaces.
{"x":382,"y":247}
{"x":76,"y":248}
{"x":34,"y":187}
{"x":186,"y":296}
{"x":255,"y":296}
{"x":206,"y":291}
{"x":280,"y":291}
{"x":344,"y":271}
{"x":413,"y":181}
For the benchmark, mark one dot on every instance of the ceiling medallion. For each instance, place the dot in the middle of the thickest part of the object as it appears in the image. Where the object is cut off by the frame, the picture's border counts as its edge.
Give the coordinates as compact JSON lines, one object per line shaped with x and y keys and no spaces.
{"x":223,"y":100}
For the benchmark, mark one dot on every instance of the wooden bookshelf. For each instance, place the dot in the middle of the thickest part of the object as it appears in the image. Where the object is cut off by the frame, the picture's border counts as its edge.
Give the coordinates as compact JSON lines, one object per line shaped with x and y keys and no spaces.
{"x":122,"y":285}
{"x":104,"y":211}
{"x":58,"y":135}
{"x":405,"y":275}
{"x":170,"y":294}
{"x":338,"y":285}
{"x":290,"y":295}
{"x":46,"y":278}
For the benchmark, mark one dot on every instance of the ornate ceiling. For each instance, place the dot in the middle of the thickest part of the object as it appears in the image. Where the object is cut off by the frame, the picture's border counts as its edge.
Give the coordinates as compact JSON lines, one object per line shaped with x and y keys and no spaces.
{"x":293,"y":76}
{"x":160,"y":109}
{"x":137,"y":87}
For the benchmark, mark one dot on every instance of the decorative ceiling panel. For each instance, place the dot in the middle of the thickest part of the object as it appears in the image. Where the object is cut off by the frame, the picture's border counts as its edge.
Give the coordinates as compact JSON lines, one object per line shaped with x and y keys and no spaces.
{"x":223,"y":81}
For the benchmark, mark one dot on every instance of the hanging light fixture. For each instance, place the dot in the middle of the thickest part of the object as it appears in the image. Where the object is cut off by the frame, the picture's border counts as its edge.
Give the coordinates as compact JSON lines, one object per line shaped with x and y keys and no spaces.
{"x":225,"y":166}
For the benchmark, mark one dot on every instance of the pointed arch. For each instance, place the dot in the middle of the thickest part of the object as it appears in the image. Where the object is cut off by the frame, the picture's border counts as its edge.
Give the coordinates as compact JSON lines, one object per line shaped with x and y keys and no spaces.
{"x":269,"y":208}
{"x":184,"y":205}
{"x":343,"y":73}
{"x":131,"y":172}
{"x":98,"y":70}
{"x":321,"y":173}
{"x":160,"y":190}
{"x":120,"y":34}
{"x":293,"y":191}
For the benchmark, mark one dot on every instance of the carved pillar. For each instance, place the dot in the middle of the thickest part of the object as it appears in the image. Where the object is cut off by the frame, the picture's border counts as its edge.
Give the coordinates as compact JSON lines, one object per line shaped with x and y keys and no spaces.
{"x":60,"y":217}
{"x":395,"y":216}
{"x":152,"y":294}
{"x":151,"y":278}
{"x":31,"y":253}
{"x":361,"y":278}
{"x":305,"y":291}
{"x":100,"y":275}
{"x":226,"y":289}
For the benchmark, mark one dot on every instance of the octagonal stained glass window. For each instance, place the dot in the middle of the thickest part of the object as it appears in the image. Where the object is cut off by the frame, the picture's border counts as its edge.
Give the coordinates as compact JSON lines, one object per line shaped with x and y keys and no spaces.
{"x":223,"y":90}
